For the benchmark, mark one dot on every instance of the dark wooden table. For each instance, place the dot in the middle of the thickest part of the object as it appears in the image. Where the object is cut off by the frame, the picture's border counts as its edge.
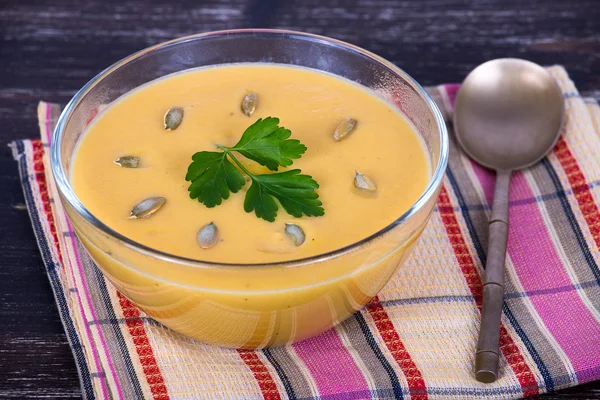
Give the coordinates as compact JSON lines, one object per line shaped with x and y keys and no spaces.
{"x":49,"y":49}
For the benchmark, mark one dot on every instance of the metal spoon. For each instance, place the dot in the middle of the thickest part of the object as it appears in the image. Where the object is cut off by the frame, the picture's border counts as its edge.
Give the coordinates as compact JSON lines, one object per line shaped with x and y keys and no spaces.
{"x":508,"y":115}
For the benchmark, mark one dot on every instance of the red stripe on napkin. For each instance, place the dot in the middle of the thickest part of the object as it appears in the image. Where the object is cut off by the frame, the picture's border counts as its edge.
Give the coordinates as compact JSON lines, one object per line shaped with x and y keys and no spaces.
{"x":135,"y":325}
{"x":261,"y":374}
{"x":580,"y":188}
{"x":416,"y":383}
{"x":40,"y":178}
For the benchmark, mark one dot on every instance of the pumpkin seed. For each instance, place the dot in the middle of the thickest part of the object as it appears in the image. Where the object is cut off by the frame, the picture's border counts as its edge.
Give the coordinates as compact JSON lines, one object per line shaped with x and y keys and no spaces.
{"x":147,"y":207}
{"x":208,"y":236}
{"x":173,"y":118}
{"x":249,"y":104}
{"x":295,"y":233}
{"x":345,"y":128}
{"x":364,"y":182}
{"x":128,"y":162}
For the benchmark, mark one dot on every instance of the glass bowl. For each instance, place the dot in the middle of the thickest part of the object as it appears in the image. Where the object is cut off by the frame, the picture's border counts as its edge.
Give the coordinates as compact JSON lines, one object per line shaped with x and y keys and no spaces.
{"x":252,"y":305}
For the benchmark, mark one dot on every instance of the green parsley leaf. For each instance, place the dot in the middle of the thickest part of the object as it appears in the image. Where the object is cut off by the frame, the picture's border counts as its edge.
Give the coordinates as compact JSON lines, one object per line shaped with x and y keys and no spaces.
{"x":267,"y":143}
{"x":294,"y":191}
{"x":213,"y":176}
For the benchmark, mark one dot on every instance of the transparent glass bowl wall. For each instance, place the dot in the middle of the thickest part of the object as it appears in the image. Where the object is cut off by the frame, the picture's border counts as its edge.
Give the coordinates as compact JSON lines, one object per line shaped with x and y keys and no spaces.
{"x":250,"y":306}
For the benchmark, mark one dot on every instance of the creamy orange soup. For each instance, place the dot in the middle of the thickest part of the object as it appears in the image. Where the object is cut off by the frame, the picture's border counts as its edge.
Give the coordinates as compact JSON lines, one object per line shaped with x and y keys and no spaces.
{"x":384,"y":146}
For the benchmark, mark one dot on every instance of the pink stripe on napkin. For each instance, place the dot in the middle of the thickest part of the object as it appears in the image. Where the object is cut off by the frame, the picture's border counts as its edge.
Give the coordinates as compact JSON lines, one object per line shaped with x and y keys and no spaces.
{"x":331,"y":365}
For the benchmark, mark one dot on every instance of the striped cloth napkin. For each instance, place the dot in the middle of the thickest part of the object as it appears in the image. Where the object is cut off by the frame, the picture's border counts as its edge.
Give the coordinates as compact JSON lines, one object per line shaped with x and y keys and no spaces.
{"x":416,"y":339}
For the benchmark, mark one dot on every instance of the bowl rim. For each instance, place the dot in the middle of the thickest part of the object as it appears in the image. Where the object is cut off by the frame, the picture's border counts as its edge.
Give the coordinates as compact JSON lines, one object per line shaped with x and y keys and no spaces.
{"x":68,"y":194}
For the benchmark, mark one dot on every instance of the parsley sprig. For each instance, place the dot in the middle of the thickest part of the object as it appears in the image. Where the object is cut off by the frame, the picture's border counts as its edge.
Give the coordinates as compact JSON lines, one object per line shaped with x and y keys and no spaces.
{"x":213,"y":176}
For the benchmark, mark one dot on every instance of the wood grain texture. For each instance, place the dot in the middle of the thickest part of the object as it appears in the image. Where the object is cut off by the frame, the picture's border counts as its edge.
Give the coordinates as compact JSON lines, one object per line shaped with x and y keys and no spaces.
{"x":49,"y":49}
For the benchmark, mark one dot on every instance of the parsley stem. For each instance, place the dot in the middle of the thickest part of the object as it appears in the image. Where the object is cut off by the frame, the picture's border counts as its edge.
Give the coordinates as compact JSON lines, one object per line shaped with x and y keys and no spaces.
{"x":235,"y":160}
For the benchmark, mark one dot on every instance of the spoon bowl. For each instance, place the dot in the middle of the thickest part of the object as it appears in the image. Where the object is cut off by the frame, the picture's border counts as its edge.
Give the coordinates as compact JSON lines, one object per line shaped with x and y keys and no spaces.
{"x":508,"y":115}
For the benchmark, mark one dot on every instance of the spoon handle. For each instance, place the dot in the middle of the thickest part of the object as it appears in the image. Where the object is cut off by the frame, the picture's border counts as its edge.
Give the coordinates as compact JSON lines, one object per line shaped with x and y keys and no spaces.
{"x":487,"y":355}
